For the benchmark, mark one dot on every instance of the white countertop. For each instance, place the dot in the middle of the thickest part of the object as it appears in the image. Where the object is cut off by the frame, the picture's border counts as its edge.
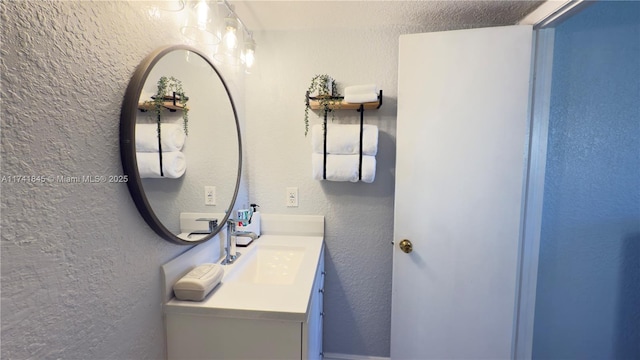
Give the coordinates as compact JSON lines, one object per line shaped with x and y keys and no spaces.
{"x":239,"y":299}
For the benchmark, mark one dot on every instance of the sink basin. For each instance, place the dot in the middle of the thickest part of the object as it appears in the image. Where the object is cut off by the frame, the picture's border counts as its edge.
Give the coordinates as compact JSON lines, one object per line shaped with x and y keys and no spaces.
{"x":273,"y":279}
{"x":269,"y":264}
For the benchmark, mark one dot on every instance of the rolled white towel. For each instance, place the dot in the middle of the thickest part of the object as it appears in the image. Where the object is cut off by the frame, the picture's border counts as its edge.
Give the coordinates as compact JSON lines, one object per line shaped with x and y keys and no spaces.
{"x":344,"y":167}
{"x":174,"y":164}
{"x":172,"y":135}
{"x":360,"y":98}
{"x":344,"y":139}
{"x":361,"y":89}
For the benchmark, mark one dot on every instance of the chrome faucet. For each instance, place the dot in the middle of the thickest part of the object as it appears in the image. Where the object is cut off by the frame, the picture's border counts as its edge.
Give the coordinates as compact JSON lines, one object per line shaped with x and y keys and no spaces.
{"x":213,"y":224}
{"x":231,"y":255}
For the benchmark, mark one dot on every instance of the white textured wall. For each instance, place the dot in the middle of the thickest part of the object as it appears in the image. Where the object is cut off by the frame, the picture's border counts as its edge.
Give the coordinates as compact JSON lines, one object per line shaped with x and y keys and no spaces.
{"x":80,"y":268}
{"x":359,"y":216}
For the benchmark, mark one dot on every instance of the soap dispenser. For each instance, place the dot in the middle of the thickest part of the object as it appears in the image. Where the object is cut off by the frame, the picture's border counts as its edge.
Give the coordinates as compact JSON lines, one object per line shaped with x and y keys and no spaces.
{"x":255,"y":219}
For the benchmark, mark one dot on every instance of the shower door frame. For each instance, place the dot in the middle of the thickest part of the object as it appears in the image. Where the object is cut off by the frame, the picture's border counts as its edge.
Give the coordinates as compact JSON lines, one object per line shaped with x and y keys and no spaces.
{"x":544,"y":20}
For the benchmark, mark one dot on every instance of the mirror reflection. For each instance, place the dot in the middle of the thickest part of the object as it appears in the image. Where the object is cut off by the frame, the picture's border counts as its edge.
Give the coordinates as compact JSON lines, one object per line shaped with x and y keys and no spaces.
{"x":199,"y":150}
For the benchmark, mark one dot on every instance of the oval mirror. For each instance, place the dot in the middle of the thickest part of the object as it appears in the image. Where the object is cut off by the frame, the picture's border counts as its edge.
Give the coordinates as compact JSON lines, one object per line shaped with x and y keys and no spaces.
{"x":174,"y":145}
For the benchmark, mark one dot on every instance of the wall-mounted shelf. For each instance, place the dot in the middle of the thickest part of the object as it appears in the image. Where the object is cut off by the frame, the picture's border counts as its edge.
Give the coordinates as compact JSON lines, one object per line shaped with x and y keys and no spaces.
{"x":170,"y":102}
{"x":146,"y":106}
{"x":314,"y":103}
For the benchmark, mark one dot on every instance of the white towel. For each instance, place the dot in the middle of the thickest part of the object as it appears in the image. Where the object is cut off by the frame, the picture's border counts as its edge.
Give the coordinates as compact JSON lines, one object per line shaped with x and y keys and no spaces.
{"x":361,"y":89}
{"x":358,"y":94}
{"x":344,"y":167}
{"x":360,"y":98}
{"x":174,"y":164}
{"x":344,"y":139}
{"x":172,"y":135}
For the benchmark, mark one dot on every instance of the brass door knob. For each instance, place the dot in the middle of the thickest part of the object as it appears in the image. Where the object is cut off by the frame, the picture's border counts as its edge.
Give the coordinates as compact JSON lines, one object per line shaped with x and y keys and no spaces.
{"x":406,"y":246}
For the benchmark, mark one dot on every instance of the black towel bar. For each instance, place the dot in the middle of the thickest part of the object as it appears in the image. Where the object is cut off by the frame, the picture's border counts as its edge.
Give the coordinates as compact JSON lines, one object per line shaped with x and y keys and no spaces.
{"x":324,"y":125}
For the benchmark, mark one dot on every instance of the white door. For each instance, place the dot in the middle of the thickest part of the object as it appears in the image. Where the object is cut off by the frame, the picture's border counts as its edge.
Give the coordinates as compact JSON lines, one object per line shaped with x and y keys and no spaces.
{"x":461,"y":155}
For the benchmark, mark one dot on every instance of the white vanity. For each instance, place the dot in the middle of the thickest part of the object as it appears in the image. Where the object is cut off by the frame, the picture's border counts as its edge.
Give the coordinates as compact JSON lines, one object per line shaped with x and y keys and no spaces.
{"x":269,"y":304}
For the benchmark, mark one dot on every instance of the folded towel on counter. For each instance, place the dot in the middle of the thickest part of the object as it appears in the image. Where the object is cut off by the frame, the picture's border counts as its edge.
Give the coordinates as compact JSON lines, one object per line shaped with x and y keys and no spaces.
{"x":174,"y":164}
{"x":344,"y":167}
{"x":344,"y":139}
{"x":172,"y":136}
{"x":360,"y":98}
{"x":361,"y":89}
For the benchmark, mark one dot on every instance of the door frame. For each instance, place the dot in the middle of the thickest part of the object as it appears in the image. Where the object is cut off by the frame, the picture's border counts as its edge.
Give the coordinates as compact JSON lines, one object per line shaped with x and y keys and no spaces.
{"x":544,"y":20}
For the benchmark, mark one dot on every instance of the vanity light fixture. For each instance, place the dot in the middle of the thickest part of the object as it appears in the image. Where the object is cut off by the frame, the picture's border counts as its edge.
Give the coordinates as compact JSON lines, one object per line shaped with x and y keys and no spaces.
{"x":223,"y":35}
{"x":156,"y":9}
{"x":199,"y":26}
{"x":249,"y":51}
{"x":171,"y":6}
{"x":230,"y":37}
{"x":233,"y":23}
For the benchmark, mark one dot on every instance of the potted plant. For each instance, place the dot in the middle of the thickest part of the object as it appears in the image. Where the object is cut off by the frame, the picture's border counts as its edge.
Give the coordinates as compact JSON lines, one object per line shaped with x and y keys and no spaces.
{"x":170,"y":90}
{"x":324,"y":90}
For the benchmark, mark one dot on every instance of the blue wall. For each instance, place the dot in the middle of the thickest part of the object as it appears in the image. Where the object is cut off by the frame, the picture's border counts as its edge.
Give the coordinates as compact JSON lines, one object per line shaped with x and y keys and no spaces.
{"x":588,"y":296}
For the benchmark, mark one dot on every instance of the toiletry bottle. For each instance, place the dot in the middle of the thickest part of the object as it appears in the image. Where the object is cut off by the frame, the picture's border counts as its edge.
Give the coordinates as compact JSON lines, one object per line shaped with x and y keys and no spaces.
{"x":255,"y":219}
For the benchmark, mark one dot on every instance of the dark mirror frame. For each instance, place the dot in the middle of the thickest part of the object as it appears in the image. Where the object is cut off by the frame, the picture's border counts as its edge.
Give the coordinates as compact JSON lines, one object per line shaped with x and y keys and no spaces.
{"x":128,"y":118}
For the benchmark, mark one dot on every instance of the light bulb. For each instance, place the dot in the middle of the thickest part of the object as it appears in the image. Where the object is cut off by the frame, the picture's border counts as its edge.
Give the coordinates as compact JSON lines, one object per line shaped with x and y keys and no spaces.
{"x":198,"y":25}
{"x":249,"y":58}
{"x":249,"y":52}
{"x":230,"y":38}
{"x":202,"y":15}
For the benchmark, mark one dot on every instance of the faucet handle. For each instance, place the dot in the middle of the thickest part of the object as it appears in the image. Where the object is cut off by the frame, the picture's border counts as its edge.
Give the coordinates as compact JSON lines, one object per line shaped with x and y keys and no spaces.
{"x":213,"y":223}
{"x":232,"y":224}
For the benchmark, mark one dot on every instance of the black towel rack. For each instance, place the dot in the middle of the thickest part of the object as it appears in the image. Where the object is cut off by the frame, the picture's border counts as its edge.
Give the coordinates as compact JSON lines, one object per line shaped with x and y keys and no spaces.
{"x":338,"y":104}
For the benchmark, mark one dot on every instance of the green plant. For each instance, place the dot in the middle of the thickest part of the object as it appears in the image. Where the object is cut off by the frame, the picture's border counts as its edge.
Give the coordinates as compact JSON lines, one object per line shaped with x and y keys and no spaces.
{"x":324,"y":90}
{"x":168,"y":89}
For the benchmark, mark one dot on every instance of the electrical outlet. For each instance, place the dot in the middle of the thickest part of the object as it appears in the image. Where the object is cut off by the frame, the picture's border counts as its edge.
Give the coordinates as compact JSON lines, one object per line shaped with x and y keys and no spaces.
{"x":209,"y":195}
{"x":292,"y":197}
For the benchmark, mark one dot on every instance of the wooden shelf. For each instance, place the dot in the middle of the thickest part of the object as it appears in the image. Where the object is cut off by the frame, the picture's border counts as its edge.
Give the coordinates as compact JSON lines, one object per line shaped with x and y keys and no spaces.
{"x":314,"y":103}
{"x":166,"y":104}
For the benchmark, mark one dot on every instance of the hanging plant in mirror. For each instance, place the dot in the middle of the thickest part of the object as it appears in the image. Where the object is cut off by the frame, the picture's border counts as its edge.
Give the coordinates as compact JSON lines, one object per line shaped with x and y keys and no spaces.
{"x":169,"y":95}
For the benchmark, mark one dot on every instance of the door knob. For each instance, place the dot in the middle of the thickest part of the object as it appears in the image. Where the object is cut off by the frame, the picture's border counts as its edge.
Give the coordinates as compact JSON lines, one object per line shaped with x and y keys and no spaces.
{"x":406,"y":246}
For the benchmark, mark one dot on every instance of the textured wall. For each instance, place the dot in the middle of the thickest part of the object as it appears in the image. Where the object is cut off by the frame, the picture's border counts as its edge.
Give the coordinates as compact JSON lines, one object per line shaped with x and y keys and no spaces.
{"x":80,"y":268}
{"x":588,"y":296}
{"x":80,"y":275}
{"x":359,"y":216}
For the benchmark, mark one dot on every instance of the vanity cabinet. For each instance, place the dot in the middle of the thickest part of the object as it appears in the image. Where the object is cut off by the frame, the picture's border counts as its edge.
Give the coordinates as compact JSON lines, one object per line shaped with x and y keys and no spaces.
{"x":244,"y":334}
{"x":312,"y":328}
